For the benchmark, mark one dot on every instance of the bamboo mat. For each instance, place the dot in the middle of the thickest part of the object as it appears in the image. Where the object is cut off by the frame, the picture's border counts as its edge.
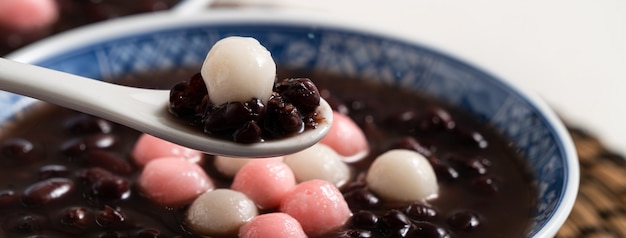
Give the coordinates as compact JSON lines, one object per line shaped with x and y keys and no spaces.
{"x":600,"y":209}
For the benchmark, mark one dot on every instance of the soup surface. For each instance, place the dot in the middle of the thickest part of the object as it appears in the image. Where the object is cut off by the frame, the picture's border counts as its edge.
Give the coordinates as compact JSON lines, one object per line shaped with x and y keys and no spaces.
{"x":50,"y":160}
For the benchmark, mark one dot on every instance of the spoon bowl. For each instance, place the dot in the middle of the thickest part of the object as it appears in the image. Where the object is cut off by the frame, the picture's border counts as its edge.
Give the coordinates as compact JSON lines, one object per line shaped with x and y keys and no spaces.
{"x":142,"y":109}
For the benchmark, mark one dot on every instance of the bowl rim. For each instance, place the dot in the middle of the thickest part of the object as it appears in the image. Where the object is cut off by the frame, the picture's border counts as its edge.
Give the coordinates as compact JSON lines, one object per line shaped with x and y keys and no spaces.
{"x":150,"y":22}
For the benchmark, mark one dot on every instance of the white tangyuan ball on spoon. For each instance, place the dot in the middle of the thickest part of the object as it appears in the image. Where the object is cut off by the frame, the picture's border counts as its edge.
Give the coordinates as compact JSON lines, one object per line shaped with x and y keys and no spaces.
{"x":238,"y":69}
{"x":402,"y":176}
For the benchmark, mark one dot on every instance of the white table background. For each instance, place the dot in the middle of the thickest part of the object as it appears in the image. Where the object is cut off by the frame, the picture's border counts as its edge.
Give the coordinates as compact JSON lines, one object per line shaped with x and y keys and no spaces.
{"x":571,"y":53}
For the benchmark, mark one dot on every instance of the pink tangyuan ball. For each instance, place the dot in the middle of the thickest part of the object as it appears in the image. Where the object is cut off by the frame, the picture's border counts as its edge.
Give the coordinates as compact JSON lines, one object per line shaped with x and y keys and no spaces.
{"x":266,"y":182}
{"x":27,"y":15}
{"x":346,"y":138}
{"x":148,"y":148}
{"x":275,"y":225}
{"x":318,"y":206}
{"x":173,"y":181}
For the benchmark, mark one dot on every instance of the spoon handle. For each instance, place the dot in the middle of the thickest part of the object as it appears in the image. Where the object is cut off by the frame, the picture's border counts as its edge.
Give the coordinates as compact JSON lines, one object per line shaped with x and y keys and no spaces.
{"x":95,"y":97}
{"x":141,"y":109}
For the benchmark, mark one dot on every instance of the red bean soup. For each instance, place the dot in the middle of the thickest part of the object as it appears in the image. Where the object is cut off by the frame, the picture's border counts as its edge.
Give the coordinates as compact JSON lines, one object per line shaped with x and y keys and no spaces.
{"x":69,"y":174}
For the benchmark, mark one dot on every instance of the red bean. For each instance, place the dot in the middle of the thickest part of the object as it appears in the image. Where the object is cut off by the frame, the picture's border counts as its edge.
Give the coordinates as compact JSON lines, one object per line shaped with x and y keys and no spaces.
{"x":364,"y":219}
{"x":281,"y":117}
{"x":464,"y":220}
{"x":53,"y":171}
{"x":301,"y":92}
{"x":101,"y":141}
{"x":228,"y":118}
{"x":430,"y":230}
{"x":444,"y":170}
{"x":421,"y":212}
{"x":102,"y":184}
{"x":147,"y":233}
{"x":249,"y":132}
{"x":395,"y":219}
{"x":362,"y":198}
{"x":471,"y":137}
{"x":20,"y":150}
{"x":47,"y":191}
{"x":108,"y":161}
{"x":27,"y":223}
{"x":85,"y":124}
{"x":74,"y":147}
{"x":486,"y":185}
{"x":111,"y":218}
{"x":111,"y":188}
{"x":435,"y":118}
{"x":76,"y":219}
{"x":411,"y":143}
{"x":8,"y":198}
{"x":355,"y":233}
{"x":77,"y":146}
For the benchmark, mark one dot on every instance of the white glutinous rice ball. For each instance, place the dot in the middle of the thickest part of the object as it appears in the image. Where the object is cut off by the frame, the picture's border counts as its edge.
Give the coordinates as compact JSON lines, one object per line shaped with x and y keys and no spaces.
{"x":402,"y":176}
{"x":318,"y":162}
{"x":220,"y":212}
{"x":238,"y":69}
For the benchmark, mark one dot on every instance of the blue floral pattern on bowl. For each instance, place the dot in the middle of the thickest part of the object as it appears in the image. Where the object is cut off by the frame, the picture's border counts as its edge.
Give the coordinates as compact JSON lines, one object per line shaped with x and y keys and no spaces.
{"x":346,"y":52}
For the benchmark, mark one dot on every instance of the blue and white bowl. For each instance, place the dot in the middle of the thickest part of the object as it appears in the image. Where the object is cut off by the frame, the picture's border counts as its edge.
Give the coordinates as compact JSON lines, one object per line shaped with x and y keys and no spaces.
{"x":166,"y":40}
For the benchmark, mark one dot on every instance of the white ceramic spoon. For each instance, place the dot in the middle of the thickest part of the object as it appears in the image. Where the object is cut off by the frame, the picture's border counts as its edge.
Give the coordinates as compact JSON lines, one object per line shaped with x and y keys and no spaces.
{"x":142,"y":109}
